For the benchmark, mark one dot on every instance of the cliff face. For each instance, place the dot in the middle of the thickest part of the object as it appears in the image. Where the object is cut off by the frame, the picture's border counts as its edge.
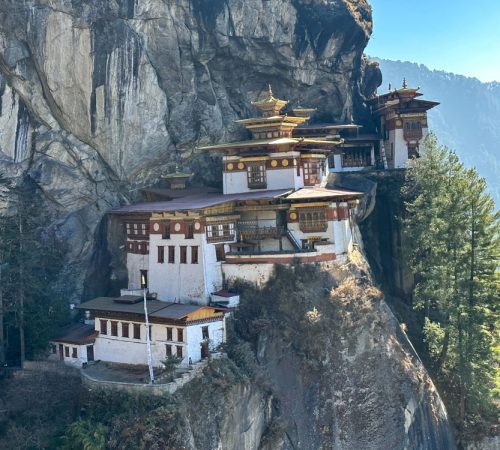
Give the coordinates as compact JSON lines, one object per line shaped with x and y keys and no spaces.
{"x":96,"y":97}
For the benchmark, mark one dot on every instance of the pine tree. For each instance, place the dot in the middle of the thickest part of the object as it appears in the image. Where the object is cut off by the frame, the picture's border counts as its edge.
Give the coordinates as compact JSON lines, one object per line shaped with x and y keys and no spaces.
{"x":453,"y":233}
{"x":31,"y":259}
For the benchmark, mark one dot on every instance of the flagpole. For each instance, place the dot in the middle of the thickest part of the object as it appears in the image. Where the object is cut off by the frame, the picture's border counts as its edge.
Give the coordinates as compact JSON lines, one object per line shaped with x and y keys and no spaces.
{"x":148,"y":340}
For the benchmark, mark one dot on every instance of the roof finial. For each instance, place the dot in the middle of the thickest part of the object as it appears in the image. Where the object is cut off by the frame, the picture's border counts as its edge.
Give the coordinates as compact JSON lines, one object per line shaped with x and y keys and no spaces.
{"x":270,"y":92}
{"x":405,"y":84}
{"x":390,"y":87}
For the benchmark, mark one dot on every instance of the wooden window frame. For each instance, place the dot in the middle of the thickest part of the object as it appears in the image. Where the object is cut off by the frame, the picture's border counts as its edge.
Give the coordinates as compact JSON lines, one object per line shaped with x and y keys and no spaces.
{"x":125,"y":326}
{"x":256,"y":175}
{"x":170,"y":334}
{"x":183,"y":254}
{"x":171,"y":254}
{"x":189,"y":230}
{"x":137,"y":331}
{"x":180,"y":335}
{"x":114,"y":328}
{"x":74,"y":352}
{"x":168,"y":350}
{"x":194,"y":254}
{"x":205,"y":332}
{"x":312,"y":172}
{"x":220,"y":252}
{"x":313,"y":220}
{"x":166,"y":230}
{"x":161,"y":254}
{"x":66,"y":351}
{"x":179,"y":352}
{"x":103,"y":327}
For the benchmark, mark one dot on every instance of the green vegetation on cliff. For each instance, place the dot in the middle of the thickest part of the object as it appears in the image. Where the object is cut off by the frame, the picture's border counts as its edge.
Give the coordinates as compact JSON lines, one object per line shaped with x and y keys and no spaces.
{"x":453,"y":240}
{"x":32,"y":305}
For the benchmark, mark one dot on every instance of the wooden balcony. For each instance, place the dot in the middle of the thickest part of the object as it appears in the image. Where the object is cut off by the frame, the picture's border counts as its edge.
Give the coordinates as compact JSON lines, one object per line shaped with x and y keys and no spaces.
{"x":412,"y":134}
{"x":220,"y":238}
{"x":256,"y":230}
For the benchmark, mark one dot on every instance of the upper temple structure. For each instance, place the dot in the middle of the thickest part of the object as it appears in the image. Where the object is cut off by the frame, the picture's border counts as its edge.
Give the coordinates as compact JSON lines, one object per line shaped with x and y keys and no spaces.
{"x":186,"y":246}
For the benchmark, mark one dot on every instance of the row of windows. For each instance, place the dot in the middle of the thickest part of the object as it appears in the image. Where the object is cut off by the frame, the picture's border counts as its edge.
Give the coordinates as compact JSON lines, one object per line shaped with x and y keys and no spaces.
{"x":183,"y":253}
{"x":220,"y":232}
{"x":124,"y":329}
{"x":138,"y":229}
{"x":74,"y":351}
{"x":257,"y":178}
{"x":271,"y":134}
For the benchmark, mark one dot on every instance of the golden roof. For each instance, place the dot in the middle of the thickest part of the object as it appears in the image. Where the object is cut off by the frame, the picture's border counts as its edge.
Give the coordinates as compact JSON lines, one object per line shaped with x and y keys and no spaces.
{"x":270,"y":104}
{"x":270,"y":142}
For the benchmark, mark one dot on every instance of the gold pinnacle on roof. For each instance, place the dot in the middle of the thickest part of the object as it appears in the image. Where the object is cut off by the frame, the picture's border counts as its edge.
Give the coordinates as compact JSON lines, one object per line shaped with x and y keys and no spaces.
{"x":270,"y":106}
{"x":405,"y":84}
{"x":177,"y":179}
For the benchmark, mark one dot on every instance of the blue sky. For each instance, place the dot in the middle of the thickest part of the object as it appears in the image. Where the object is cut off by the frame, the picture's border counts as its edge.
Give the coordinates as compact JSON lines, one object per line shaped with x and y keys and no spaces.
{"x":459,"y":36}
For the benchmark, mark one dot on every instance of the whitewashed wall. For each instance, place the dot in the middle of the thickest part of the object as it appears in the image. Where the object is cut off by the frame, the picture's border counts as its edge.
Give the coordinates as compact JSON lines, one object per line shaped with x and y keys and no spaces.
{"x":188,"y":282}
{"x":123,"y":350}
{"x":136,"y":263}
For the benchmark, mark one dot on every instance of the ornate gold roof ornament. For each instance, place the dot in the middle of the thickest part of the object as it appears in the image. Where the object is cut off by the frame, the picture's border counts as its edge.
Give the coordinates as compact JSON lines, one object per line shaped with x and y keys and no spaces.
{"x":405,"y":84}
{"x":177,"y":179}
{"x":270,"y":106}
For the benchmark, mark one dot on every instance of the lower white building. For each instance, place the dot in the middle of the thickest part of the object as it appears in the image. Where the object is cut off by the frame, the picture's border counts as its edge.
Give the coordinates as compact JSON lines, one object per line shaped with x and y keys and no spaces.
{"x":75,"y":345}
{"x":188,"y":332}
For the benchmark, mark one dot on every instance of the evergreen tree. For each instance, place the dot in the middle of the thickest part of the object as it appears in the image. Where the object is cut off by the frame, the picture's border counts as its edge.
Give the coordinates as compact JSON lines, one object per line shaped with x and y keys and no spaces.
{"x":453,"y":234}
{"x":31,"y":260}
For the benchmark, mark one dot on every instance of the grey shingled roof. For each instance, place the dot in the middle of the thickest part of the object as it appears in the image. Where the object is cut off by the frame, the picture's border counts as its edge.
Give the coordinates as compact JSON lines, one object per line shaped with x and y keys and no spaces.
{"x":199,"y":201}
{"x":79,"y":334}
{"x":156,"y":308}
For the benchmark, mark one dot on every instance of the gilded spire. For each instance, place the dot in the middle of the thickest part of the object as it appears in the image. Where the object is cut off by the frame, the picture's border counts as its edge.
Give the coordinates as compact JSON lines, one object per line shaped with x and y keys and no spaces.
{"x":405,"y":84}
{"x":270,"y":93}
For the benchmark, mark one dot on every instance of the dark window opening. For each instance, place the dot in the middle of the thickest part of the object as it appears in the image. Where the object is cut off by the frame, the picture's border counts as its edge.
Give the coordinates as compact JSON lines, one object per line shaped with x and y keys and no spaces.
{"x":179,"y":351}
{"x":114,"y":328}
{"x":194,"y":255}
{"x":190,"y":230}
{"x":166,"y":230}
{"x":169,"y":334}
{"x":74,"y":353}
{"x":137,"y":331}
{"x":171,"y":254}
{"x":220,"y":253}
{"x":104,"y":326}
{"x":204,"y":332}
{"x":183,"y":254}
{"x":168,"y":349}
{"x":124,"y":329}
{"x":180,"y":335}
{"x":161,"y":254}
{"x":66,"y":352}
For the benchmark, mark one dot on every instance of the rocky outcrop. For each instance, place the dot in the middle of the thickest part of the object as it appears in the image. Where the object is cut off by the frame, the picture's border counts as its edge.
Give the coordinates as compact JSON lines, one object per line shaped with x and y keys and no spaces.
{"x":342,"y":372}
{"x":97,"y":97}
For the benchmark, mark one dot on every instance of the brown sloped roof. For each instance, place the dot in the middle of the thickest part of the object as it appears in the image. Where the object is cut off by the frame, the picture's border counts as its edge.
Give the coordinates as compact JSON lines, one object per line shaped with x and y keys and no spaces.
{"x":78,"y":334}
